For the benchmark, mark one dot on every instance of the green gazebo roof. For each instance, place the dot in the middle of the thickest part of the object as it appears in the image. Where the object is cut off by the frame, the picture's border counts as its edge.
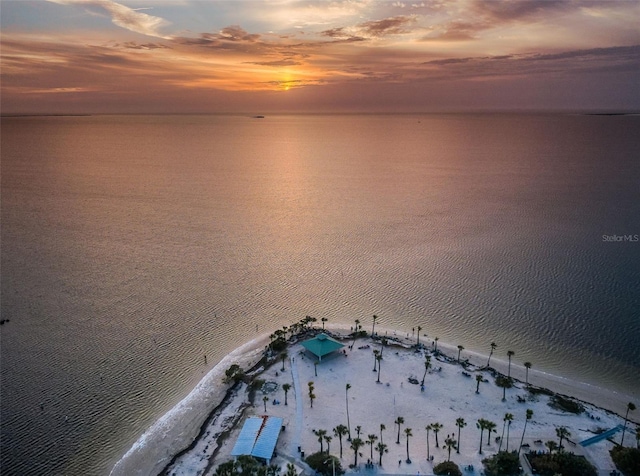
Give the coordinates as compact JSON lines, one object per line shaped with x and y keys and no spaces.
{"x":322,"y":345}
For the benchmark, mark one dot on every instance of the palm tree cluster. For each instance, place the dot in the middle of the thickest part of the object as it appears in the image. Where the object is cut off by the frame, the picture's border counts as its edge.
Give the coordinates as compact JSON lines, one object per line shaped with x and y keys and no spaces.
{"x":278,"y":339}
{"x":321,"y":434}
{"x":490,"y":426}
{"x":377,"y":445}
{"x":508,"y":418}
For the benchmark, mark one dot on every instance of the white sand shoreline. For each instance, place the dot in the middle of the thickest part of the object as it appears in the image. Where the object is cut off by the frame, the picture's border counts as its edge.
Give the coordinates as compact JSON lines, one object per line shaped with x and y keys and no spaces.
{"x":151,"y":454}
{"x":179,"y":426}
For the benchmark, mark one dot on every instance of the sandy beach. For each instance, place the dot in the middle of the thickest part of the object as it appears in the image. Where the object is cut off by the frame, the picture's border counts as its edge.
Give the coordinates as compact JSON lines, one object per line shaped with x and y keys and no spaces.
{"x":449,"y":394}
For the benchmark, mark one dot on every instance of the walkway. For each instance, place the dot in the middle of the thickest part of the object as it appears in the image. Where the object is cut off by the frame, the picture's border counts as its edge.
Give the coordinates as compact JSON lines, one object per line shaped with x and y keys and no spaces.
{"x":601,"y":436}
{"x":297,"y":435}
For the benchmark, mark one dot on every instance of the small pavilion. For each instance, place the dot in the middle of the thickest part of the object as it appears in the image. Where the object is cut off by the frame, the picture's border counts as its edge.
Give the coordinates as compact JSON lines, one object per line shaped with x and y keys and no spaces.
{"x":322,"y":345}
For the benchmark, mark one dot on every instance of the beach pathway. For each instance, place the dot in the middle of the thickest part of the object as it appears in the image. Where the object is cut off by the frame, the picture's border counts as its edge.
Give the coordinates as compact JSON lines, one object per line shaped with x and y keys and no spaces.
{"x":297,"y":434}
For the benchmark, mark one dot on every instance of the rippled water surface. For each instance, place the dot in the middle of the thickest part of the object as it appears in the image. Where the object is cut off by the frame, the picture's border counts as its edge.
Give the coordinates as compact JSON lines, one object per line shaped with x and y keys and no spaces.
{"x":133,"y":246}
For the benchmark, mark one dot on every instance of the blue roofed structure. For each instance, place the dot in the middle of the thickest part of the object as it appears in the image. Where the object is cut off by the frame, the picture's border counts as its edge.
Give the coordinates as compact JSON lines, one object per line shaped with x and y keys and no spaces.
{"x":258,"y":437}
{"x":322,"y":345}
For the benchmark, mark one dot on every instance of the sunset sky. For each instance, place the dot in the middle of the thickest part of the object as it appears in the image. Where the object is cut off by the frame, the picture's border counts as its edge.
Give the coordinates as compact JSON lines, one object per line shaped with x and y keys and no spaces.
{"x":174,"y":56}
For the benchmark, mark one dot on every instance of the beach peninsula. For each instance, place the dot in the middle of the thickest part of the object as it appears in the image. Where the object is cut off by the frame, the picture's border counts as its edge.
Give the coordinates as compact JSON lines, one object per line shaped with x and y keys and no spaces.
{"x":384,"y":402}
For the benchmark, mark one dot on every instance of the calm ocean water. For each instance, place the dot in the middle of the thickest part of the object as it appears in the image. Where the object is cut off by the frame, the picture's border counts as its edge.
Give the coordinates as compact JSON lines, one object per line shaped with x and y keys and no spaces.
{"x":134,"y":245}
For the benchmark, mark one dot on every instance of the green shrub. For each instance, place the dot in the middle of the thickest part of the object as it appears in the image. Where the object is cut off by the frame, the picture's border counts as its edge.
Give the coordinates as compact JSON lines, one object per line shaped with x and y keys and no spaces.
{"x":627,"y":460}
{"x":322,"y":463}
{"x":563,"y":463}
{"x":233,"y":374}
{"x":539,"y":391}
{"x":246,"y":466}
{"x":278,"y":345}
{"x":502,"y":381}
{"x":566,"y":404}
{"x":447,"y":467}
{"x":502,"y":464}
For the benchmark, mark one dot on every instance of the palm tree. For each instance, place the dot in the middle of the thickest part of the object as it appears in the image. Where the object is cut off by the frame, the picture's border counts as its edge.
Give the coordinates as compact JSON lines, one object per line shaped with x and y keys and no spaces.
{"x":436,"y":427}
{"x":291,"y":470}
{"x":491,"y":426}
{"x":479,"y":379}
{"x":427,"y":364}
{"x":503,"y":382}
{"x":428,"y":428}
{"x":460,"y":349}
{"x":328,"y":439}
{"x":382,"y":427}
{"x":527,"y":366}
{"x":356,"y":444}
{"x":399,"y":421}
{"x":510,"y":354}
{"x":373,"y":328}
{"x":312,"y":395}
{"x":376,"y":352}
{"x":379,"y":359}
{"x":381,"y":448}
{"x":493,"y":347}
{"x":504,"y":427}
{"x":418,"y":341}
{"x":265,"y":399}
{"x":460,"y":423}
{"x":630,"y":407}
{"x":347,"y":387}
{"x":371,"y":439}
{"x":562,"y":433}
{"x":450,"y":443}
{"x":529,"y":416}
{"x":508,"y":418}
{"x":324,"y":319}
{"x":286,"y":387}
{"x":407,"y":431}
{"x":283,"y":356}
{"x":355,"y":333}
{"x":358,"y":430}
{"x":340,"y":431}
{"x":552,"y":445}
{"x":482,"y":425}
{"x":320,"y":434}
